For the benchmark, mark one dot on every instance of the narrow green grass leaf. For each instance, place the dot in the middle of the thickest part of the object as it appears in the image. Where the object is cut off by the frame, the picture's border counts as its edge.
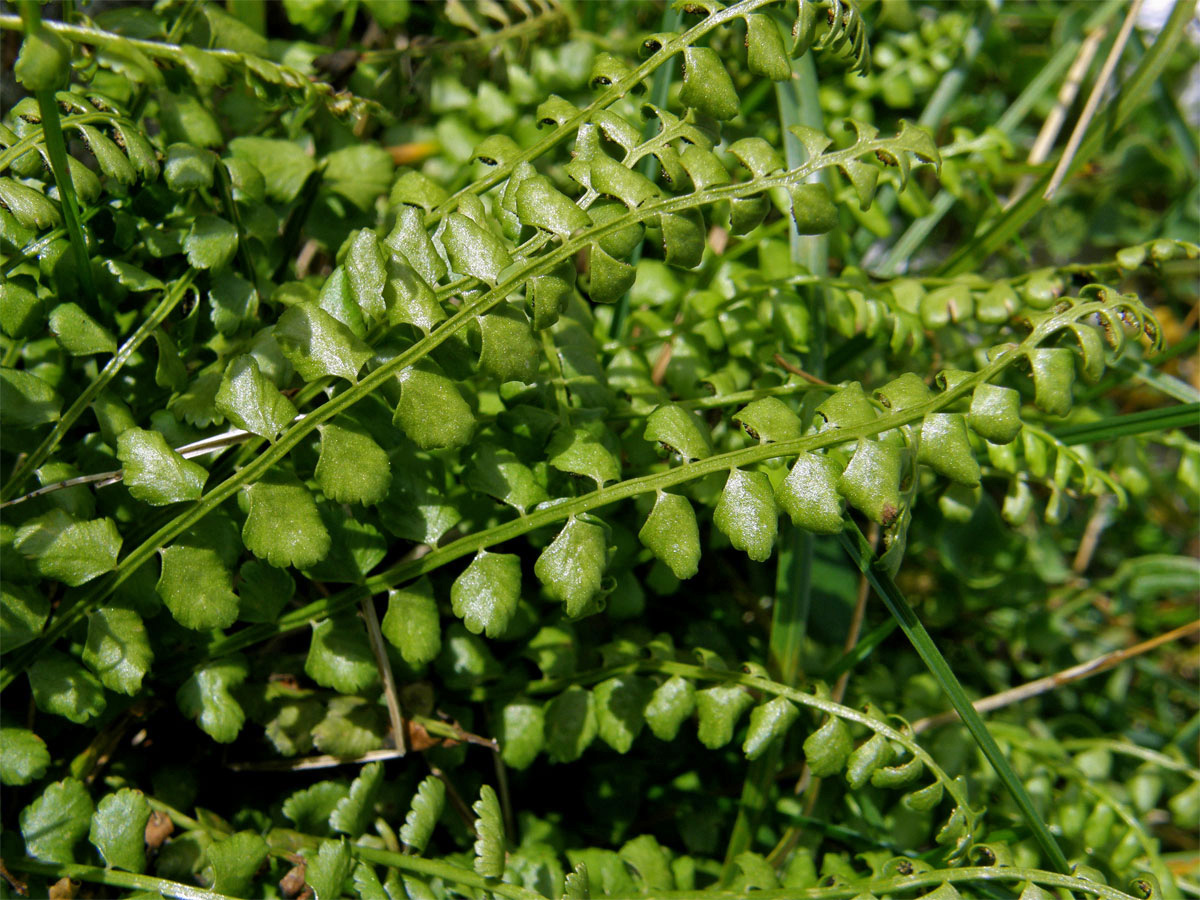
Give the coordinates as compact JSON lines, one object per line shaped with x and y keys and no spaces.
{"x":859,"y":550}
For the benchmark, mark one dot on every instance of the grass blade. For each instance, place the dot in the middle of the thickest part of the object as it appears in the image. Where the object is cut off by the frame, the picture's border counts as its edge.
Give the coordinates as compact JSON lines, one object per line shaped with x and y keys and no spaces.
{"x":1147,"y":421}
{"x":858,"y":548}
{"x":969,"y":257}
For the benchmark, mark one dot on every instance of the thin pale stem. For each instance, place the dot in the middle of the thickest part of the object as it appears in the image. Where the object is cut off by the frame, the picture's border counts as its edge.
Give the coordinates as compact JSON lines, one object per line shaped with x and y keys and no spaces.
{"x":1093,"y":101}
{"x":796,"y":370}
{"x":1097,"y":522}
{"x":323,"y":761}
{"x":1040,"y":686}
{"x":172,"y":296}
{"x":970,"y":256}
{"x":379,"y":651}
{"x":857,"y":618}
{"x":202,"y":447}
{"x":1044,"y":142}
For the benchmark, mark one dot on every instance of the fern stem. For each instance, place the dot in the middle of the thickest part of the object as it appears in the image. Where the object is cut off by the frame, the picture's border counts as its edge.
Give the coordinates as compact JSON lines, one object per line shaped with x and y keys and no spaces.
{"x":519,"y":31}
{"x":176,"y":55}
{"x":56,"y":149}
{"x":617,"y":90}
{"x":759,"y":683}
{"x":437,"y":869}
{"x":540,"y":518}
{"x":671,"y":18}
{"x":859,"y":550}
{"x":114,"y":878}
{"x":171,"y":298}
{"x":1051,"y":756}
{"x":225,"y":189}
{"x":28,"y":142}
{"x":36,"y":247}
{"x":1135,"y":750}
{"x":798,"y":104}
{"x":299,"y":430}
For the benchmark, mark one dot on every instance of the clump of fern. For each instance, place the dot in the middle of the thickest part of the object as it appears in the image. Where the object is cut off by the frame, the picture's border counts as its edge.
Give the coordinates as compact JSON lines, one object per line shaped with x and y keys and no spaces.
{"x":490,"y":448}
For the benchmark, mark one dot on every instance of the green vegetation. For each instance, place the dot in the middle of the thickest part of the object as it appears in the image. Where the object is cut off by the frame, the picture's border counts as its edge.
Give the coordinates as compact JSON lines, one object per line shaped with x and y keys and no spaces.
{"x":605,"y":449}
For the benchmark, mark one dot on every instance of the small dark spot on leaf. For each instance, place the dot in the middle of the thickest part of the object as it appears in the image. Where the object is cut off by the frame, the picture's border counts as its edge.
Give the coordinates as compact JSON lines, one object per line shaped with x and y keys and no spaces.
{"x":888,"y":514}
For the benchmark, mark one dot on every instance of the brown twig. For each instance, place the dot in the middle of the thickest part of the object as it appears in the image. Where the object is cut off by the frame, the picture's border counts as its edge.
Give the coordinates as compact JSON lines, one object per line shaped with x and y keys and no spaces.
{"x":796,"y":370}
{"x":379,"y":651}
{"x":1030,"y":689}
{"x":1091,"y":534}
{"x":660,"y":365}
{"x":456,"y":800}
{"x":1093,"y":101}
{"x":510,"y":821}
{"x":856,"y":620}
{"x":1062,"y":104}
{"x":17,"y":885}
